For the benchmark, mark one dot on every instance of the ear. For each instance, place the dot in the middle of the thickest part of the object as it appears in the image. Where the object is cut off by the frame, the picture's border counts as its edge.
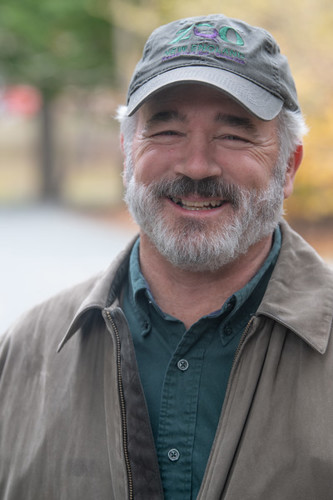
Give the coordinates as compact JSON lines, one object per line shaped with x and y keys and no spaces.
{"x":293,"y":164}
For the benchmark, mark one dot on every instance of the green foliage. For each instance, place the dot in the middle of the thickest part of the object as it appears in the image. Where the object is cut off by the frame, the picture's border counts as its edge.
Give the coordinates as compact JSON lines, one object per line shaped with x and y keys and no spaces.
{"x":54,"y":43}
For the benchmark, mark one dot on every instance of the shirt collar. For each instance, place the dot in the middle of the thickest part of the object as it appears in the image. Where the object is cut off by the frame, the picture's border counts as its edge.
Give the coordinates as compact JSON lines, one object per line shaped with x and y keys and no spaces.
{"x":140,"y":293}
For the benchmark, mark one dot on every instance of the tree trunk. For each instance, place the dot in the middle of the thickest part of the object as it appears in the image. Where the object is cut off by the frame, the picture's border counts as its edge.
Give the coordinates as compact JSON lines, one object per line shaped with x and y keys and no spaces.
{"x":49,"y":184}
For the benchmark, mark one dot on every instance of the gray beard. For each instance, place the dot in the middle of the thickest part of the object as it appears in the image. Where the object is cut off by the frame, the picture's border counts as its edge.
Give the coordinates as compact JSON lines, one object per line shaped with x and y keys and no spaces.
{"x":194,"y":245}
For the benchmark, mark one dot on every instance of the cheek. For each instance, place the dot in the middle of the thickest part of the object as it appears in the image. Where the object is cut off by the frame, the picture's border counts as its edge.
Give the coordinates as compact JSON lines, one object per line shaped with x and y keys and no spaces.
{"x":150,"y":163}
{"x":261,"y":165}
{"x":252,"y":170}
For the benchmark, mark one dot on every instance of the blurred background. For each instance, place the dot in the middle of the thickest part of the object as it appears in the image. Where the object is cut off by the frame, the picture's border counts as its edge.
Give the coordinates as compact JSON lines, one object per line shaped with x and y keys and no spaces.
{"x":64,"y":68}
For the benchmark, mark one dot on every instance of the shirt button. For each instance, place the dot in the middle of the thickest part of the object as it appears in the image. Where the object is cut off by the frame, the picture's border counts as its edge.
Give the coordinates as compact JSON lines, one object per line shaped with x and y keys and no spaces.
{"x":173,"y":455}
{"x":228,"y":330}
{"x":183,"y":365}
{"x":230,"y":306}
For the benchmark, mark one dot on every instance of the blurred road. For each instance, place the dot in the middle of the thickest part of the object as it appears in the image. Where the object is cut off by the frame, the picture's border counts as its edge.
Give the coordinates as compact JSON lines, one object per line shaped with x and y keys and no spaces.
{"x":44,"y":249}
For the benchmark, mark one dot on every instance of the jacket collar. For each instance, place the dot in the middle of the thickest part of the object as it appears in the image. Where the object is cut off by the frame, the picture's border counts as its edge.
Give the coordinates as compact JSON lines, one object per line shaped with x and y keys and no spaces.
{"x":300,"y":292}
{"x":105,"y":292}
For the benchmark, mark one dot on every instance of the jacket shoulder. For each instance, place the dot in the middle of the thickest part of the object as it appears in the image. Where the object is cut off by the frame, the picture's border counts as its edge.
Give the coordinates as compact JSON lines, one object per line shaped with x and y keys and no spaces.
{"x":50,"y":319}
{"x":46,"y":324}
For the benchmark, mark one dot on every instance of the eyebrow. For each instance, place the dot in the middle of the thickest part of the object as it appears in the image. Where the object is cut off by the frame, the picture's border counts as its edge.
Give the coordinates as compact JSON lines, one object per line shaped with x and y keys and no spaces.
{"x":240,"y":122}
{"x":164,"y":117}
{"x":236,"y":121}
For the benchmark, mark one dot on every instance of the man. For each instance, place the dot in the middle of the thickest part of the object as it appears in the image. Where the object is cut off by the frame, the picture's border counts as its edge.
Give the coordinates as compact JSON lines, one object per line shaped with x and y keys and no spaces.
{"x":200,"y":364}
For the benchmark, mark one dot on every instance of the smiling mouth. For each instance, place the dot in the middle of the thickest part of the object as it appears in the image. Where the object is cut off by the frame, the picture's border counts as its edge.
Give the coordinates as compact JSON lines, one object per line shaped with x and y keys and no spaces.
{"x":197,"y":205}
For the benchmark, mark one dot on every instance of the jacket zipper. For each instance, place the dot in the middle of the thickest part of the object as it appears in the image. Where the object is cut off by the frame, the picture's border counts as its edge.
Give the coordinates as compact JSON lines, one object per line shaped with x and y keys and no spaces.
{"x":122,"y":407}
{"x":242,"y":340}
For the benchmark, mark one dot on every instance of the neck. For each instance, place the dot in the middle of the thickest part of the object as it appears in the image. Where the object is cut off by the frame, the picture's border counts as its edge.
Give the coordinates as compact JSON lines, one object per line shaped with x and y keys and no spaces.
{"x":187,"y":295}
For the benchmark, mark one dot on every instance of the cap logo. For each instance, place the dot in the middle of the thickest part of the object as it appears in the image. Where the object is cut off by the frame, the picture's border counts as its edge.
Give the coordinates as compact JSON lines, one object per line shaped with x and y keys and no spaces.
{"x":185,"y":33}
{"x":204,"y":38}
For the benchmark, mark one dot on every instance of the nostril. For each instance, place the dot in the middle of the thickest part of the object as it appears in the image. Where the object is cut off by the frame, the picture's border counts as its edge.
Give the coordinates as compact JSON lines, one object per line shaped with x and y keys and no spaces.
{"x":198,"y":164}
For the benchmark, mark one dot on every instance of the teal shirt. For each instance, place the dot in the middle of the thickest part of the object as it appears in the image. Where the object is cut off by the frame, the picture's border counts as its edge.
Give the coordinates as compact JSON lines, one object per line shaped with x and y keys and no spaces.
{"x":184,"y":373}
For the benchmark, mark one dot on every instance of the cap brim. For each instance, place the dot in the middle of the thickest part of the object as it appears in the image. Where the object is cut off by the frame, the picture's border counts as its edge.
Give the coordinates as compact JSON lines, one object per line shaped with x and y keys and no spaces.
{"x":254,"y":98}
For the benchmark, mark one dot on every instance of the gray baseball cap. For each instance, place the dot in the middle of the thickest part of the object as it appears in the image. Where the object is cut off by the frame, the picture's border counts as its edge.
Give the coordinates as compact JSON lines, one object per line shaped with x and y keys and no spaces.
{"x":243,"y":61}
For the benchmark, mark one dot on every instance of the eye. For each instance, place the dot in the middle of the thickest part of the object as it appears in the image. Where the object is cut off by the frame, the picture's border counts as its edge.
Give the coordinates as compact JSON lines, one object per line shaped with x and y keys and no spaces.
{"x":231,"y":137}
{"x":233,"y":141}
{"x":166,"y":137}
{"x":167,"y":133}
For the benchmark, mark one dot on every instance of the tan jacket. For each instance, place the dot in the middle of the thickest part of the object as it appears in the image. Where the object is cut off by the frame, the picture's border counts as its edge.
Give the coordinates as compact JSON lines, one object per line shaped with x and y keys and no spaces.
{"x":74,"y":425}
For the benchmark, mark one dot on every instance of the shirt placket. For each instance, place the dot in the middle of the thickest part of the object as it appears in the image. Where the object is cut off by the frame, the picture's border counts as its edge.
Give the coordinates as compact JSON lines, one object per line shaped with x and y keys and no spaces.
{"x":178,"y":416}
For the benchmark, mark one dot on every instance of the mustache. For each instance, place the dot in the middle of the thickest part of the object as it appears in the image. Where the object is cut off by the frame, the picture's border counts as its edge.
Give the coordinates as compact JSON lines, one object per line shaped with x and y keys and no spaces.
{"x":209,"y":187}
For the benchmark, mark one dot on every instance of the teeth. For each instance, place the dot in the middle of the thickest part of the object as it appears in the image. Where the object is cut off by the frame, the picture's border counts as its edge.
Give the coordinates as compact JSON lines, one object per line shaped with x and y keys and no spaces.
{"x":197,"y":205}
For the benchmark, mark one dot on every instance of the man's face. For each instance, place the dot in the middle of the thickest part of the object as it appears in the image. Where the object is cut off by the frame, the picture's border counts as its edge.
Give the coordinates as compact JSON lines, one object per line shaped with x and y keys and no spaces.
{"x":203,"y":187}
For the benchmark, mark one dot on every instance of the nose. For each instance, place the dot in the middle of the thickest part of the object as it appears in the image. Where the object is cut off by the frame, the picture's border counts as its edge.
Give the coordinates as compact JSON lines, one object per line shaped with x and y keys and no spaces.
{"x":197,"y":160}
